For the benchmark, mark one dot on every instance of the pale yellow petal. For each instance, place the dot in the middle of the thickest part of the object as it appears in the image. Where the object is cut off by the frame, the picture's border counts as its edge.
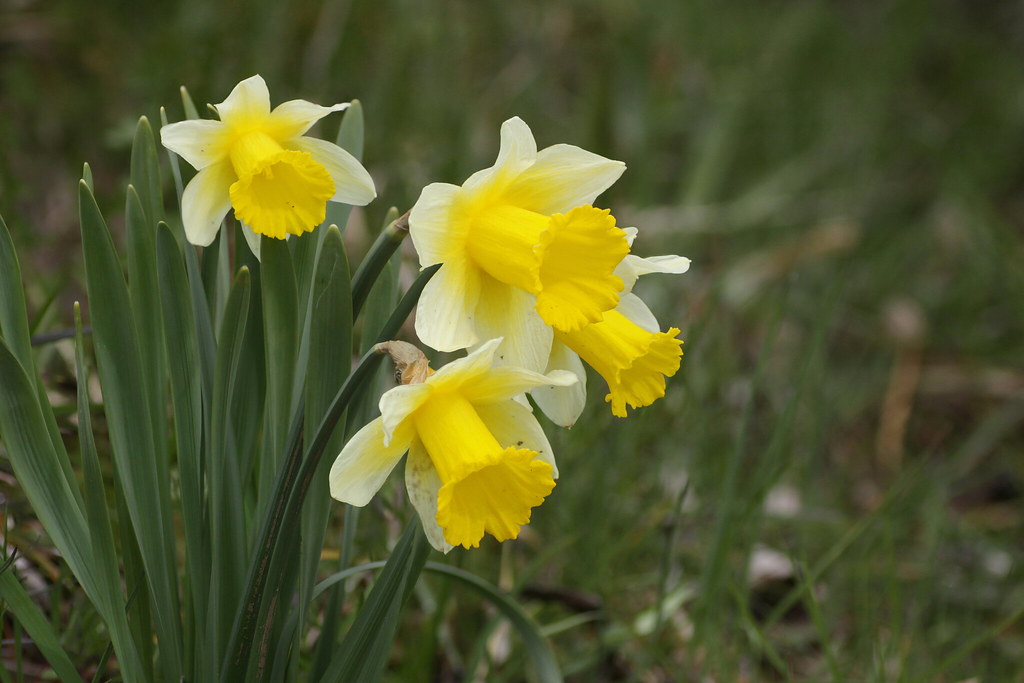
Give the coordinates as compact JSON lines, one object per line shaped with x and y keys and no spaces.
{"x":434,"y":225}
{"x":365,"y":462}
{"x":352,"y":183}
{"x":205,"y":201}
{"x":563,"y":177}
{"x":518,"y":151}
{"x":294,"y":117}
{"x":504,"y":382}
{"x":398,"y":403}
{"x":504,"y":311}
{"x":634,"y":308}
{"x":252,"y":239}
{"x":248,"y":102}
{"x":446,"y":310}
{"x":633,"y":266}
{"x":461,"y":373}
{"x":563,"y":404}
{"x":201,"y":142}
{"x":423,"y":485}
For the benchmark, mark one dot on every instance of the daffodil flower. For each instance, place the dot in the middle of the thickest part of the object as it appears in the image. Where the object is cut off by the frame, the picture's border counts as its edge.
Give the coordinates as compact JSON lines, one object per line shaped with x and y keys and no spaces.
{"x":478,"y":460}
{"x":260,"y":162}
{"x":626,"y":348}
{"x":523,"y":250}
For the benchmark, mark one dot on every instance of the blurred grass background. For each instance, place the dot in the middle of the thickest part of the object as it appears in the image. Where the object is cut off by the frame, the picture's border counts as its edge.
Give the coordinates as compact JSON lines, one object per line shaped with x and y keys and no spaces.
{"x":833,"y":488}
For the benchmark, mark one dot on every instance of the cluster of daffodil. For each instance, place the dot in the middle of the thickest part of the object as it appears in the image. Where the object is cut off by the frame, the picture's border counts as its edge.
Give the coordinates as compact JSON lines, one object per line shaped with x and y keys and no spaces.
{"x":534,"y":281}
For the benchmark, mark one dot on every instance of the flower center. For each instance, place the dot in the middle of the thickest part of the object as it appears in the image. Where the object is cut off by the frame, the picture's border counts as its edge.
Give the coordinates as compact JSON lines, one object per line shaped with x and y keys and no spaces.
{"x":486,"y":488}
{"x":566,"y":260}
{"x":278,"y":191}
{"x":633,"y":361}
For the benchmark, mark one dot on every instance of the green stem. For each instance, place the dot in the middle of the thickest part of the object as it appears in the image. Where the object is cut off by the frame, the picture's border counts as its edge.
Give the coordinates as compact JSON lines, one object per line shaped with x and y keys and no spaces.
{"x":369,"y":269}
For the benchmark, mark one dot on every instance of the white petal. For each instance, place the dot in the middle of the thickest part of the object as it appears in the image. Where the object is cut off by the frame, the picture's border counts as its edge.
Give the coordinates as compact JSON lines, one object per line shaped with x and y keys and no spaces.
{"x":518,"y":151}
{"x":364,"y":463}
{"x":504,"y":311}
{"x":513,"y":425}
{"x":250,"y":99}
{"x":632,"y":267}
{"x":295,"y":117}
{"x":252,"y":239}
{"x":431,"y":224}
{"x":630,"y":235}
{"x":503,"y":383}
{"x":423,"y":484}
{"x":200,"y":142}
{"x":563,"y":177}
{"x":205,"y":201}
{"x":398,"y":403}
{"x":563,"y":404}
{"x":352,"y":184}
{"x":633,"y":307}
{"x":445,"y":313}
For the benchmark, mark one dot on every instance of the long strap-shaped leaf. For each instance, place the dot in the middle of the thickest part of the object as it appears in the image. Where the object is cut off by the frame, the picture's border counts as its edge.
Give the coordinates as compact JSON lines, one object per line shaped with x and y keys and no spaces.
{"x":131,"y":427}
{"x":364,"y":650}
{"x":291,"y":487}
{"x":14,"y":329}
{"x":38,"y":626}
{"x":537,"y":646}
{"x":183,"y":364}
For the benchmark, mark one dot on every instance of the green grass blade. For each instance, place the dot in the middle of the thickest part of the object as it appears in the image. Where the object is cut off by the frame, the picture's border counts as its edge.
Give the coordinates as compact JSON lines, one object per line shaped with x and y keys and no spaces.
{"x":363,"y":652}
{"x":131,"y":428}
{"x":38,"y":626}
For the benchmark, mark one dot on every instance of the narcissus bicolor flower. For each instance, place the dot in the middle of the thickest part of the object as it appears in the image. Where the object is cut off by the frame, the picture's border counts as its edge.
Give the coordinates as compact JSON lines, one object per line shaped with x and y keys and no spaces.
{"x":478,"y":460}
{"x":522,"y":247}
{"x":260,"y":162}
{"x":626,"y":348}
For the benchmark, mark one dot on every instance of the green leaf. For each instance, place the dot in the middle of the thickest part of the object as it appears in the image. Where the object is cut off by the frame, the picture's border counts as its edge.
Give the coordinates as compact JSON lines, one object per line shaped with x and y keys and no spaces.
{"x":330,"y":359}
{"x":97,"y":515}
{"x":227,"y":524}
{"x":363,"y":653}
{"x":131,"y":426}
{"x":376,"y":260}
{"x":350,"y":138}
{"x":38,"y":626}
{"x":281,"y":336}
{"x":190,"y":107}
{"x":183,"y":363}
{"x":13,"y":315}
{"x":145,"y":174}
{"x":144,"y":295}
{"x":269,"y":563}
{"x":14,"y":328}
{"x":536,"y":644}
{"x":351,"y":133}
